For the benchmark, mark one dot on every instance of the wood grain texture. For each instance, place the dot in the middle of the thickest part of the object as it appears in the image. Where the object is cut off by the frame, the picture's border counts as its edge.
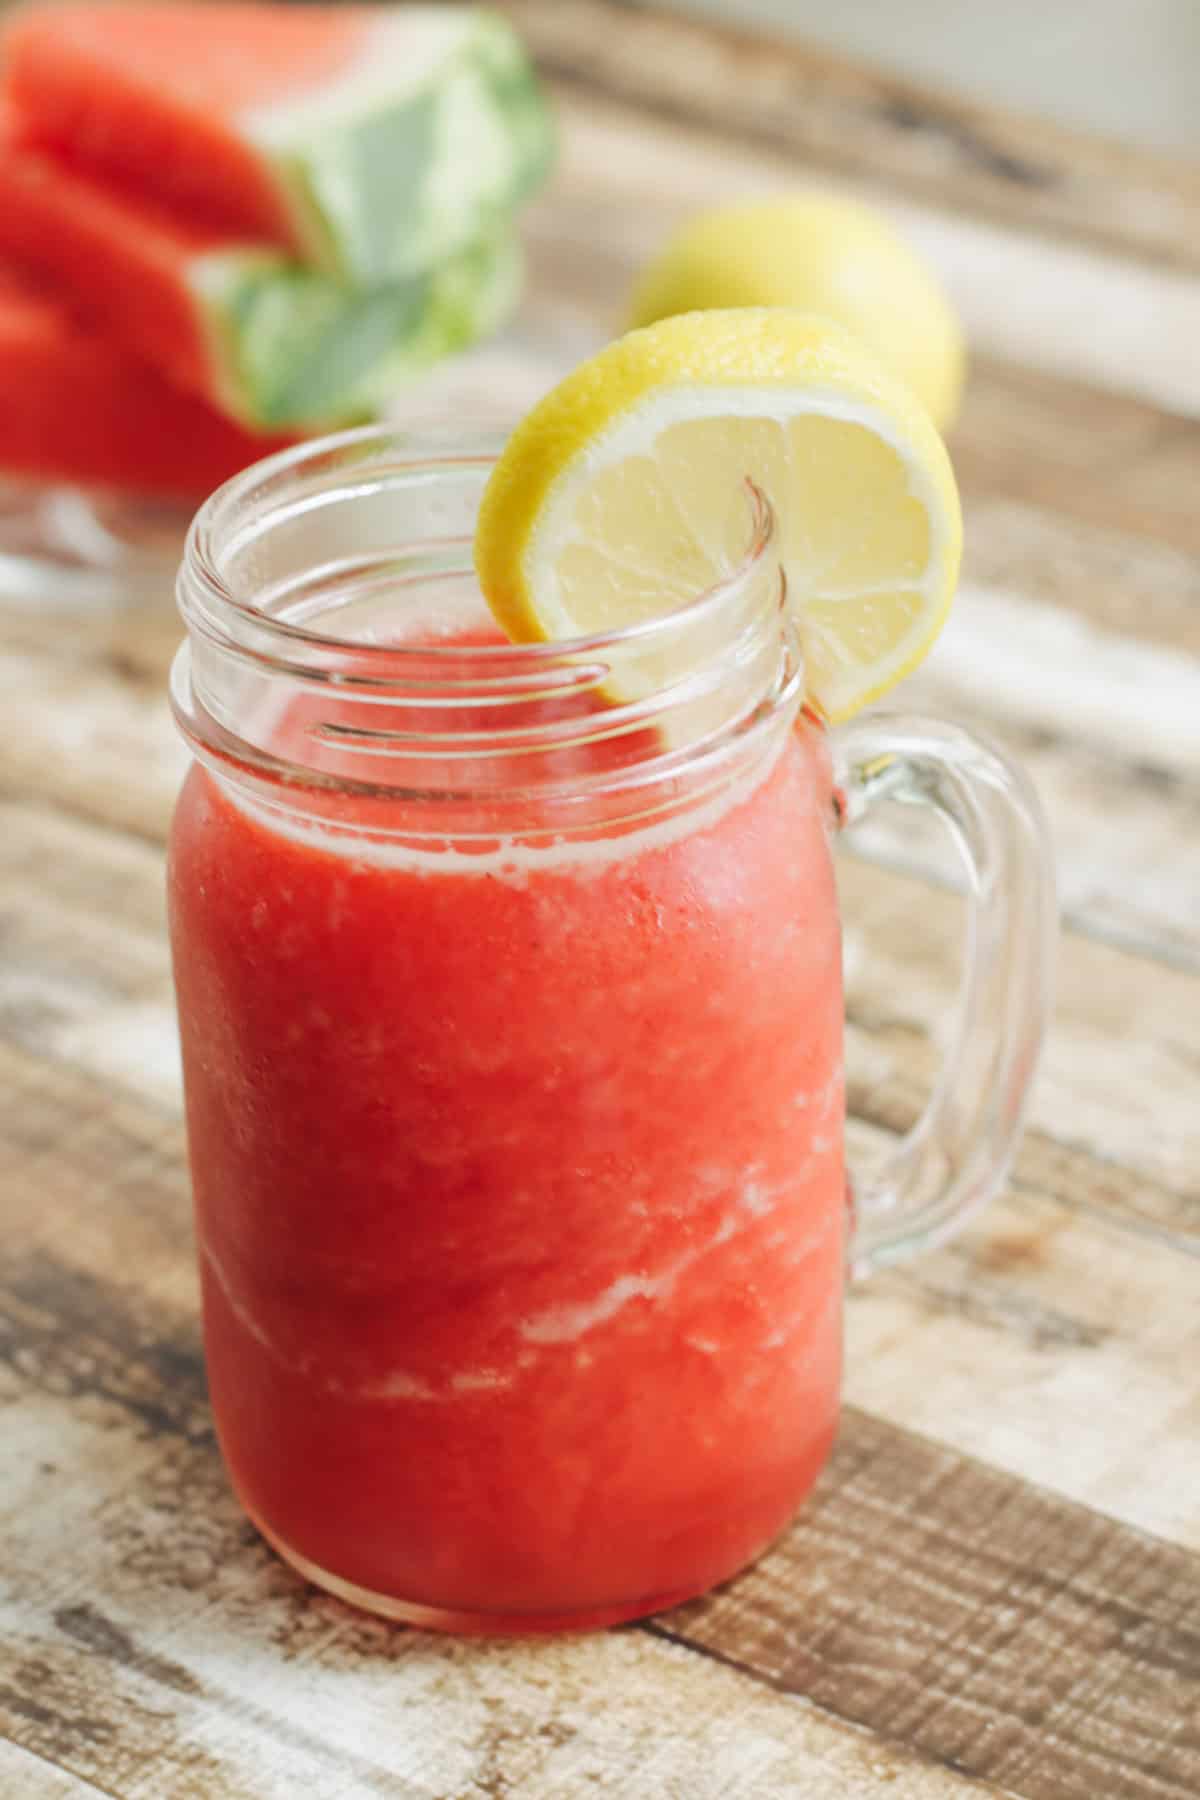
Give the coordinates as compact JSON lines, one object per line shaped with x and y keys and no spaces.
{"x":152,"y":1645}
{"x":1048,"y":1340}
{"x":625,"y":182}
{"x":1102,"y":423}
{"x":1071,"y":1291}
{"x":819,"y":106}
{"x":99,"y":915}
{"x":1059,"y":633}
{"x":958,"y":1609}
{"x":1103,"y":459}
{"x":1118,"y":1017}
{"x":969,"y":1606}
{"x":1116,"y":776}
{"x":1131,"y":584}
{"x":24,"y":1776}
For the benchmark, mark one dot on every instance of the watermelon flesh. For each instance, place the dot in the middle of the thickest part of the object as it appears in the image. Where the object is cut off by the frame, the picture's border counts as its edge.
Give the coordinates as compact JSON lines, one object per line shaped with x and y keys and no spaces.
{"x":239,"y":323}
{"x":78,"y":410}
{"x":371,"y":143}
{"x":225,"y":226}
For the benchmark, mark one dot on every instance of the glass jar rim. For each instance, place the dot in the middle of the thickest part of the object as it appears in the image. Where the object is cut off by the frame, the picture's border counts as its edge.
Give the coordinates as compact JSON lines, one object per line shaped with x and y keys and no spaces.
{"x":352,"y":532}
{"x":206,"y":597}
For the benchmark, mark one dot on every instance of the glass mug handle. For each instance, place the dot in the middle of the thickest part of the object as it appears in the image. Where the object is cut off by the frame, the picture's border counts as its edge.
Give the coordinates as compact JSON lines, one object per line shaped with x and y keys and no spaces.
{"x":957,"y":1154}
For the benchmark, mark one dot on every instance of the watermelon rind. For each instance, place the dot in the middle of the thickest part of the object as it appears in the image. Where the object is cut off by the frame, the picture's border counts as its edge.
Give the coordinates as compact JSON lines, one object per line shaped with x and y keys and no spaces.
{"x":434,"y":138}
{"x":290,"y":349}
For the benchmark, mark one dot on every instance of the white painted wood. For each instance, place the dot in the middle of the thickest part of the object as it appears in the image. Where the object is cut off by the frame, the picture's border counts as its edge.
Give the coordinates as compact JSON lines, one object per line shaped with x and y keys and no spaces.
{"x":24,"y":1776}
{"x":1118,"y":1074}
{"x":1045,"y":668}
{"x":1053,"y":1345}
{"x":223,"y":1676}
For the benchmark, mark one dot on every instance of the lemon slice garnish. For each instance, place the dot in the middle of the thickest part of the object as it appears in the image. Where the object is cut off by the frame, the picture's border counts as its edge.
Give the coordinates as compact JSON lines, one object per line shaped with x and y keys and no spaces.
{"x":622,"y":495}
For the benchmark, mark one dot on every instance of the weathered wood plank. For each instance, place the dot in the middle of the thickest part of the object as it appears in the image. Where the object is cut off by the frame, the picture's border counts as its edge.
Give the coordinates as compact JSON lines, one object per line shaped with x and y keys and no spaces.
{"x":84,"y":971}
{"x":96,"y":744}
{"x":1067,"y":697}
{"x":99,"y":915}
{"x":147,"y":1641}
{"x":819,"y":107}
{"x":1090,"y":422}
{"x":1049,"y":1344}
{"x":947,"y":1604}
{"x":1088,"y":432}
{"x":893,"y":1061}
{"x":150,"y":1642}
{"x":1127,"y":854}
{"x":87,"y":979}
{"x":1067,"y":694}
{"x":1106,"y":461}
{"x":1059,"y":1268}
{"x":1117,"y":1078}
{"x":1104,"y":818}
{"x":1122,"y":582}
{"x":1021,"y":297}
{"x":168,"y":1649}
{"x":1072,"y":1293}
{"x":24,"y":1776}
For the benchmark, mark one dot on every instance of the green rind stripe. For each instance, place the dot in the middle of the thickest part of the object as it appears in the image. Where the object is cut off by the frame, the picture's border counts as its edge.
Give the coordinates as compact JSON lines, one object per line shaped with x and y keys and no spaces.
{"x":391,"y":185}
{"x":294,"y":349}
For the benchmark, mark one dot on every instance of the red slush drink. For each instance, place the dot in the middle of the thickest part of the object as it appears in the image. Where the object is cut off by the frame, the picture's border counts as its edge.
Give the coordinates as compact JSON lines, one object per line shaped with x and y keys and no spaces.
{"x":519,"y":1191}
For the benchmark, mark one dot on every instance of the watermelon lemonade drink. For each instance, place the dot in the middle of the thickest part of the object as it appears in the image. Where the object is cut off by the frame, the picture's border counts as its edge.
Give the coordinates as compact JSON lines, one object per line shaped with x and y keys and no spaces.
{"x":519,"y":1192}
{"x":509,"y":971}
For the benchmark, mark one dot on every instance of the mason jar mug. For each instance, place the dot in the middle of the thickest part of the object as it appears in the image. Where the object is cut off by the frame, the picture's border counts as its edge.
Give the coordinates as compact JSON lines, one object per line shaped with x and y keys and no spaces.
{"x":510,"y":996}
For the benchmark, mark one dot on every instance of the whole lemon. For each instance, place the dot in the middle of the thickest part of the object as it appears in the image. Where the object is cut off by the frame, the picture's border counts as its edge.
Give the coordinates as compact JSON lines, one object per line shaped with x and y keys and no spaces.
{"x":825,"y":254}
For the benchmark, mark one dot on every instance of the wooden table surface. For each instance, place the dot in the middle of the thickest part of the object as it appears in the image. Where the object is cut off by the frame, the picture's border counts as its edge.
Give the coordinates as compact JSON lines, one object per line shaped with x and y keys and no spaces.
{"x":997,"y":1587}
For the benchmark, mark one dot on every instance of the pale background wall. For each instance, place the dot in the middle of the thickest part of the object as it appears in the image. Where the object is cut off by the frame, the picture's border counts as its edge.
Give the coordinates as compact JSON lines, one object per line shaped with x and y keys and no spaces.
{"x":1128,"y":68}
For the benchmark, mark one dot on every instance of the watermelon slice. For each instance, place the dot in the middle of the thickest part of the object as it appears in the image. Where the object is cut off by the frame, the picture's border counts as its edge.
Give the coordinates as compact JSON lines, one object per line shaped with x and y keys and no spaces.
{"x":241,"y":324}
{"x":371,"y":142}
{"x":80,"y":411}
